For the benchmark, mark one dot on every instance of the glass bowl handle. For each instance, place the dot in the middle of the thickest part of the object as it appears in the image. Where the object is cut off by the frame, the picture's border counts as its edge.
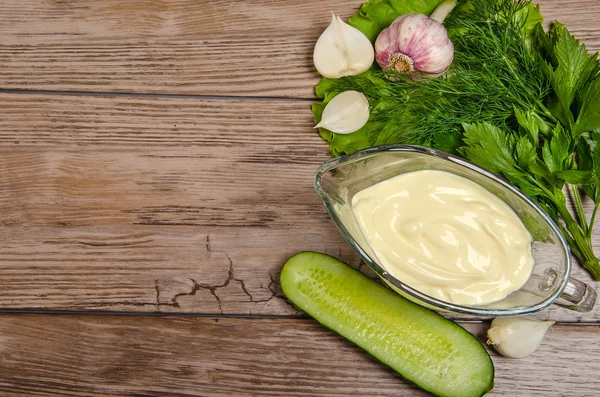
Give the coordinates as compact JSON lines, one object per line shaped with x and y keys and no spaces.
{"x":577,"y":296}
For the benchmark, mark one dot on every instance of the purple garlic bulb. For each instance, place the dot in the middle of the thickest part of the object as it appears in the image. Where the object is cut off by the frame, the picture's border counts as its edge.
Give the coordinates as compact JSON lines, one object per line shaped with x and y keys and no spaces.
{"x":414,"y":44}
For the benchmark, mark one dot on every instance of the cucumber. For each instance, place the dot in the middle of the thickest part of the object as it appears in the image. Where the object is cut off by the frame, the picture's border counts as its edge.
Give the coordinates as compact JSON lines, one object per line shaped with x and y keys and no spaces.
{"x":425,"y":348}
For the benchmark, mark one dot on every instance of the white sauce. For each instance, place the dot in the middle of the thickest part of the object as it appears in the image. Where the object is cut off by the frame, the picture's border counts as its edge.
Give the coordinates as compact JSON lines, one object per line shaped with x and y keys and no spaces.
{"x":445,"y":236}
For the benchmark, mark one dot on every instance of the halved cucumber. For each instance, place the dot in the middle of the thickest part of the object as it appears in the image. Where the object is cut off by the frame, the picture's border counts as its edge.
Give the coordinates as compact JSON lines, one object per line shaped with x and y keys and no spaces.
{"x":436,"y":354}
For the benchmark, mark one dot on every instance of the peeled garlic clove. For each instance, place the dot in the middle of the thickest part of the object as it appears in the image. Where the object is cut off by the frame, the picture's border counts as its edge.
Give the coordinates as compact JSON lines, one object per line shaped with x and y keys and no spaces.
{"x":342,"y":50}
{"x":345,"y":113}
{"x":517,"y":337}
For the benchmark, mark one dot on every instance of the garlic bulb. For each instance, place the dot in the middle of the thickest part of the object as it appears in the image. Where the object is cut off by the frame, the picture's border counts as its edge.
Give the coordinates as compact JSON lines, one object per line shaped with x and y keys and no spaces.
{"x":345,"y":113}
{"x":517,"y":337}
{"x":342,"y":50}
{"x":416,"y":44}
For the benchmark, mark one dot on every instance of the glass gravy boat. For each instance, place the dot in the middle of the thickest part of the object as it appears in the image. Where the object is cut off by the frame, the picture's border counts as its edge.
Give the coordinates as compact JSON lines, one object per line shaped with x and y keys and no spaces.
{"x":339,"y":179}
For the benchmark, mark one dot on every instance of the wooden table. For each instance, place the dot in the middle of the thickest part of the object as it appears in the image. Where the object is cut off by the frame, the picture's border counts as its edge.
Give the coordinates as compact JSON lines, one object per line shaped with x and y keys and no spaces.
{"x":156,"y":164}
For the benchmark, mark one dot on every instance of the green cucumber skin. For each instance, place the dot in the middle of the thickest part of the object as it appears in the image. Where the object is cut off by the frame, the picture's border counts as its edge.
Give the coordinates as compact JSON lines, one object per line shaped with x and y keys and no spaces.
{"x":425,"y":348}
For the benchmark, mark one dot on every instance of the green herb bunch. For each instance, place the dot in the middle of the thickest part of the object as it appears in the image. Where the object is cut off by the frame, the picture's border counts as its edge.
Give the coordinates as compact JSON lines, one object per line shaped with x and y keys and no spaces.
{"x":517,"y":100}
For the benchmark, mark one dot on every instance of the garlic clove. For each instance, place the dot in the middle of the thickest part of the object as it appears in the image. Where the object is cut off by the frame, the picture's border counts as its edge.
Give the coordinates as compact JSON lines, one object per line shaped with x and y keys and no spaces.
{"x":517,"y":337}
{"x":342,"y":50}
{"x":347,"y":112}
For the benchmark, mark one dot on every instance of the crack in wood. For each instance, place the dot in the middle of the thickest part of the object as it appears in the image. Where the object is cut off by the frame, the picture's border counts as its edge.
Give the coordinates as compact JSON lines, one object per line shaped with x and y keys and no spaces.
{"x":271,"y":287}
{"x":360,"y":266}
{"x":245,"y":290}
{"x":211,"y":288}
{"x":157,"y":293}
{"x":214,"y":288}
{"x":243,"y":285}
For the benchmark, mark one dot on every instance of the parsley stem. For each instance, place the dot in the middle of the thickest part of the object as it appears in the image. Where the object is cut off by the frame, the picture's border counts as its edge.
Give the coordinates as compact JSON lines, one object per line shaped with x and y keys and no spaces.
{"x":579,"y":243}
{"x":579,"y":208}
{"x":544,"y":110}
{"x":591,"y":225}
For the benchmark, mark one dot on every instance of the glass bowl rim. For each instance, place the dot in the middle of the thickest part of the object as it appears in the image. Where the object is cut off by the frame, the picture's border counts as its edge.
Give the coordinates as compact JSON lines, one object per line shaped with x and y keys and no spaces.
{"x":443,"y":305}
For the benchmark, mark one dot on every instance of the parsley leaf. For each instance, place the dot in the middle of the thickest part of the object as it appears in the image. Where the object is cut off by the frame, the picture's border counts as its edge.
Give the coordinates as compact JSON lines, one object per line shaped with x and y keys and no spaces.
{"x":525,"y":152}
{"x":575,"y":177}
{"x":588,"y":158}
{"x":570,"y":68}
{"x":491,"y":148}
{"x":589,"y":113}
{"x":530,"y":18}
{"x":529,"y":124}
{"x":557,"y":152}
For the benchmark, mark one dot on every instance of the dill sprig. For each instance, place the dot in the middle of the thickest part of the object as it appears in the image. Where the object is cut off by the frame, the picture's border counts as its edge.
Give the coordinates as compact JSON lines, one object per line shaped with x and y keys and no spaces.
{"x":493,"y":72}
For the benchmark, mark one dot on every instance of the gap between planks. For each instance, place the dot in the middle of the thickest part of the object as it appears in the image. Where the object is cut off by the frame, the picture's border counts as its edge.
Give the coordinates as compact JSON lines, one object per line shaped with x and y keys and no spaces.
{"x":175,"y":315}
{"x":156,"y":95}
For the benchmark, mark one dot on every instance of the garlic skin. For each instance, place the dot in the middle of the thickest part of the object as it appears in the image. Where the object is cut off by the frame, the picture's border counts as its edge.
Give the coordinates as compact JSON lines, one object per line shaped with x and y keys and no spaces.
{"x":342,"y":50}
{"x":347,"y":112}
{"x":517,"y":337}
{"x":414,"y":43}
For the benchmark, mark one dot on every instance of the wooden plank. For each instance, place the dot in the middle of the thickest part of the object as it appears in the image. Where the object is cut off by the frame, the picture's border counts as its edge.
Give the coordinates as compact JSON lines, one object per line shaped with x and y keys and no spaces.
{"x":160,"y":204}
{"x":217,"y":47}
{"x":155,"y":269}
{"x":156,"y":204}
{"x":134,"y":356}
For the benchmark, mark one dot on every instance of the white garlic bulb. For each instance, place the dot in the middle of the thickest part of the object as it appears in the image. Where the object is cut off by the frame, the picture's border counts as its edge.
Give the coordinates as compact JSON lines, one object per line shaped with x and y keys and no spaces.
{"x":517,"y":337}
{"x":347,"y":112}
{"x":342,"y":50}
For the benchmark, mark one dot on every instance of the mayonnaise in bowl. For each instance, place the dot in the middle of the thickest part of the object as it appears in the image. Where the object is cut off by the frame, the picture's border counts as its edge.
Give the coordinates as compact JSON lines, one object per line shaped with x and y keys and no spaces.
{"x":446,"y":236}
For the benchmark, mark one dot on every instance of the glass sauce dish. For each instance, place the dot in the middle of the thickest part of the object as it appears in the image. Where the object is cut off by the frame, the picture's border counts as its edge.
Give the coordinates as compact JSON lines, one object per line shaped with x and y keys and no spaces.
{"x":339,"y":179}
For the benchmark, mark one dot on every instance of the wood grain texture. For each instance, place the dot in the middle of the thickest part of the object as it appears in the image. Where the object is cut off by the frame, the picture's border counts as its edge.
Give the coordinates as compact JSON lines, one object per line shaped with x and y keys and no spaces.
{"x":174,"y":205}
{"x":156,"y":204}
{"x":217,"y":47}
{"x":140,"y":356}
{"x":160,"y":204}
